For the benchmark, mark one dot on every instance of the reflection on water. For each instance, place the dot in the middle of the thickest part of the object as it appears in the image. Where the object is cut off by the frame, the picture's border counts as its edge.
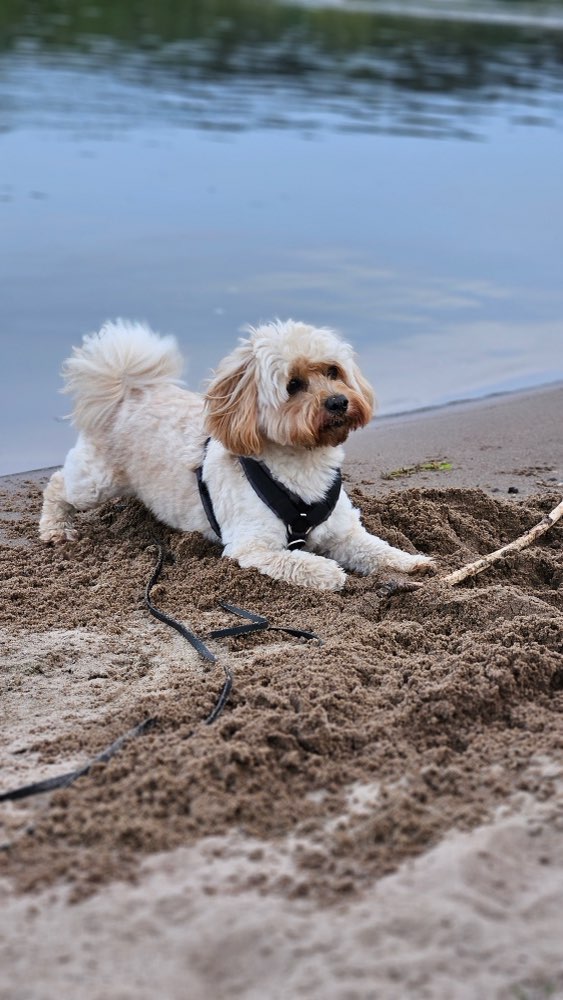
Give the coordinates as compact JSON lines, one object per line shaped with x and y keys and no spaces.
{"x":242,"y":64}
{"x":203,"y":165}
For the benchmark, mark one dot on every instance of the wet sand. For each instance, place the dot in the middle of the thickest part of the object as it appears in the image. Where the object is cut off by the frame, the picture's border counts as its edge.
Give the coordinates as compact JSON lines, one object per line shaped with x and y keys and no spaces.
{"x":504,"y":441}
{"x":379,"y":816}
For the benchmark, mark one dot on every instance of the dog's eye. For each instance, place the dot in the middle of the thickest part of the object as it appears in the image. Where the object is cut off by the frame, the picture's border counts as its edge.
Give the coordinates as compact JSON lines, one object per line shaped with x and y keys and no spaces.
{"x":332,"y":372}
{"x":295,"y":385}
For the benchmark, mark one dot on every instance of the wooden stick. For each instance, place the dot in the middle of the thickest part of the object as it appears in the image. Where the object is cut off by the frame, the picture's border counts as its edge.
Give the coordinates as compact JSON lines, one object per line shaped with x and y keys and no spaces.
{"x":472,"y":569}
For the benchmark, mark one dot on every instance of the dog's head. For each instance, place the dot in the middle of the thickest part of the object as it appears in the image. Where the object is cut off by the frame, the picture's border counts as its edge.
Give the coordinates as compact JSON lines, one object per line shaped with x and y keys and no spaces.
{"x":287,"y":383}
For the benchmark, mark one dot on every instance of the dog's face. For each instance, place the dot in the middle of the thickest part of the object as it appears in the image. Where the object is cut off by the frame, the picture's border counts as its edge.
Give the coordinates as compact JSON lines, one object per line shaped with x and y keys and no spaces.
{"x":291,"y":384}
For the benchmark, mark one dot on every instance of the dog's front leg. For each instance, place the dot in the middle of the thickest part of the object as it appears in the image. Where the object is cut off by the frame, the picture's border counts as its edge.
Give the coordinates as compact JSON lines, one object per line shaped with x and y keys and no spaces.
{"x":55,"y":523}
{"x":365,"y":554}
{"x":298,"y":567}
{"x":345,"y":539}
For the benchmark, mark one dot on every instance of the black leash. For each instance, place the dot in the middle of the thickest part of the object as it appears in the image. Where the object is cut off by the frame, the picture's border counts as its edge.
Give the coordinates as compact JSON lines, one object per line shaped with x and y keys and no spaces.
{"x":63,"y":780}
{"x":256,"y":623}
{"x":197,"y":644}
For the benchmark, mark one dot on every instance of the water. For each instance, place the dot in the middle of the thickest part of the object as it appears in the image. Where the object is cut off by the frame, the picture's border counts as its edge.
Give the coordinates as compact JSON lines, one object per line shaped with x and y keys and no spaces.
{"x":203,"y":166}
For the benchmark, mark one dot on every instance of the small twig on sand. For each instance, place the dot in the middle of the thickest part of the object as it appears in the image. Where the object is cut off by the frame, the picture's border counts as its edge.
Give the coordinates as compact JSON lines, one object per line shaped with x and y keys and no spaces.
{"x":392,"y":587}
{"x":472,"y":569}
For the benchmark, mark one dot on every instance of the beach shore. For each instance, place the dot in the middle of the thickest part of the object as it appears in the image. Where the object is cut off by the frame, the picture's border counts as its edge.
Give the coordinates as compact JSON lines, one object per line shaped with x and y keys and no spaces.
{"x":380,"y":817}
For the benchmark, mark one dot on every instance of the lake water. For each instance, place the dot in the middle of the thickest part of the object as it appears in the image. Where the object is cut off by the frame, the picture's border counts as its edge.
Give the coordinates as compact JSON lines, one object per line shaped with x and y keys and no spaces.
{"x":396,"y":175}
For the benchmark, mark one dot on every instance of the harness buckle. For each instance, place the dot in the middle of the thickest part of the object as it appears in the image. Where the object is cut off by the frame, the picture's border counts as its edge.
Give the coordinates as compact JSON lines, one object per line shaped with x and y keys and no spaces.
{"x":296,"y":543}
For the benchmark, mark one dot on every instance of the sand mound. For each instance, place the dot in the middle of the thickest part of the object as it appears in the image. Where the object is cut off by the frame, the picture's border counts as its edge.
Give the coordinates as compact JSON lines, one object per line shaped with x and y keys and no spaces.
{"x":418,"y":714}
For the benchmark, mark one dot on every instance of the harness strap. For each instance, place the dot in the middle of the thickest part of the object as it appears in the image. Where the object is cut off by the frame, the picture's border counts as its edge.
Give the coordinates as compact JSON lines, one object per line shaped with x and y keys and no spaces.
{"x":299,"y":516}
{"x":205,"y":498}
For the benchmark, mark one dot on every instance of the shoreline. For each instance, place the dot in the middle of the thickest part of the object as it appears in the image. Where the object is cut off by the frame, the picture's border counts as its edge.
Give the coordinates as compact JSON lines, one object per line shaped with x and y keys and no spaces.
{"x":471,"y":401}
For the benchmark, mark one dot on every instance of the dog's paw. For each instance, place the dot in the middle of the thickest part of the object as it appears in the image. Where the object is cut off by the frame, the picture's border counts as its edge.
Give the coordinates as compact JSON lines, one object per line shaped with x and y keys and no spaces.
{"x":318,"y":572}
{"x":56,"y":536}
{"x":423,"y":564}
{"x":404,"y":562}
{"x":328,"y":576}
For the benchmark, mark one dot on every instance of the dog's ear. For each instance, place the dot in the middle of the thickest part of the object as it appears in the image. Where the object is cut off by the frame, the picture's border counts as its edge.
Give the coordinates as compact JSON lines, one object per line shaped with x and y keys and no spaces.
{"x":231,"y":404}
{"x":367,"y":395}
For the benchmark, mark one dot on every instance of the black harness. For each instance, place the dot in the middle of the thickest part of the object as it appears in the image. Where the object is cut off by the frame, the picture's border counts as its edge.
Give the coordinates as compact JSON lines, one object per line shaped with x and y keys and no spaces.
{"x":298,"y":516}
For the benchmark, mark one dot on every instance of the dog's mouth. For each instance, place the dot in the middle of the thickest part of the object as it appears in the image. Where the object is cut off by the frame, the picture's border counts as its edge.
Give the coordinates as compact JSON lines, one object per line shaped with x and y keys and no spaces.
{"x":338,"y":418}
{"x":335,"y":428}
{"x":340,"y":421}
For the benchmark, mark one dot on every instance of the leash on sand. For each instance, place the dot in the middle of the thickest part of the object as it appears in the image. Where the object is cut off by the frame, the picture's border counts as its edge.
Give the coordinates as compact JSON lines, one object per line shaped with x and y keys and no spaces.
{"x":254,"y":623}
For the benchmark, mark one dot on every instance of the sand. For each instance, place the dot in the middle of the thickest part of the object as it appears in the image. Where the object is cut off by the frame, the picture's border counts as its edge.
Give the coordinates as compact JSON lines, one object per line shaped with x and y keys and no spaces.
{"x":377,"y":816}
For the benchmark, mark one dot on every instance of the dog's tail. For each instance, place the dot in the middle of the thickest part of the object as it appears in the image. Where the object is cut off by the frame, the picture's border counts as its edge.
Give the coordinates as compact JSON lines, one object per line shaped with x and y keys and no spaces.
{"x":122,"y":358}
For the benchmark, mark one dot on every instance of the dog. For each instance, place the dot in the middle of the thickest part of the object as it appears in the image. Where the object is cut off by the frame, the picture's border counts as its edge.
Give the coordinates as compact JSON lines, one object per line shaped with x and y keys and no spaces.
{"x":254,"y":463}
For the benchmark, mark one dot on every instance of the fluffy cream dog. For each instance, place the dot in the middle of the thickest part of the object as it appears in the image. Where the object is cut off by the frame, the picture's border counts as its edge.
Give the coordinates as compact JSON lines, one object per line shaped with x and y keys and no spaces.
{"x":285,"y":400}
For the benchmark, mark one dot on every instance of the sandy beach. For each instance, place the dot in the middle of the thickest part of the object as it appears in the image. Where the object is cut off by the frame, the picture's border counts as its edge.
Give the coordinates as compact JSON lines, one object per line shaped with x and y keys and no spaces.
{"x":379,"y":816}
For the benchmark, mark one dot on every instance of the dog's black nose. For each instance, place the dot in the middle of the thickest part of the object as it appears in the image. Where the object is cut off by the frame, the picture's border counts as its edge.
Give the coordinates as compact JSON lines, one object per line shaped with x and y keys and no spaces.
{"x":336,"y":404}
